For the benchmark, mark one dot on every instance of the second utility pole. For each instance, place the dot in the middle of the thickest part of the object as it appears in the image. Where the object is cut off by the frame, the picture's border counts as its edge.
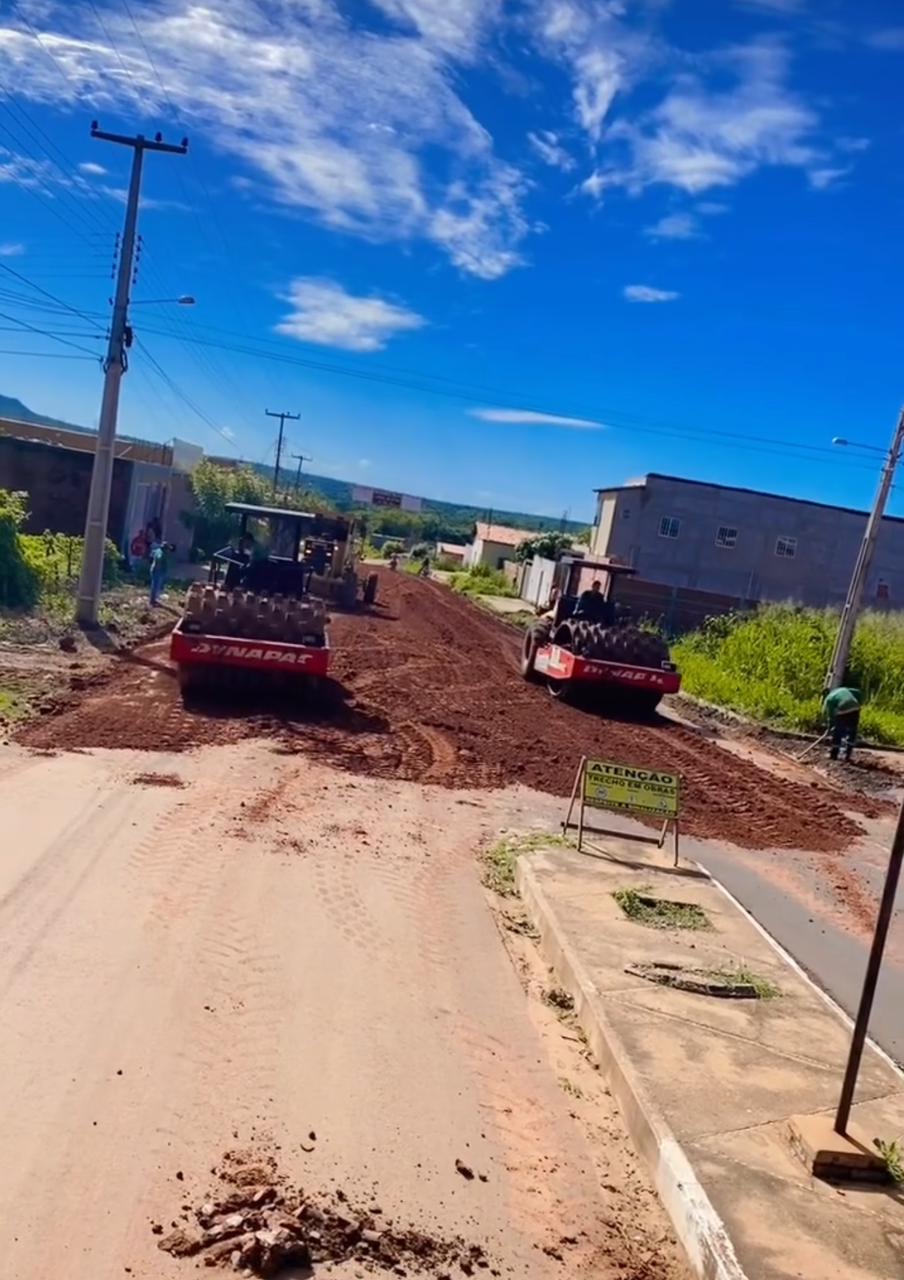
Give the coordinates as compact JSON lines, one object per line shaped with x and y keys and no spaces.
{"x":283,"y":418}
{"x":842,"y":651}
{"x":91,"y":576}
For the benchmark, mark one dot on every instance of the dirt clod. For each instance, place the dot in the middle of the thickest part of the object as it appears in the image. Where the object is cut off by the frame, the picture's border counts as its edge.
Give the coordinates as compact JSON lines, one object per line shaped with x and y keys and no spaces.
{"x":465,"y":1170}
{"x":264,"y":1230}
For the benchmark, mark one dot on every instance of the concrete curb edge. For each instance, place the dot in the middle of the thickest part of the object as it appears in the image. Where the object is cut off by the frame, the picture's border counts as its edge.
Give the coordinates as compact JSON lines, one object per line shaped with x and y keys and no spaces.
{"x":697,"y":1225}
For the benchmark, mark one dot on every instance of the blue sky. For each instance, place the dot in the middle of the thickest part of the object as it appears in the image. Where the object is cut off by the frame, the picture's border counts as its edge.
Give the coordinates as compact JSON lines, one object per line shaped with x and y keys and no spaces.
{"x":495,"y":252}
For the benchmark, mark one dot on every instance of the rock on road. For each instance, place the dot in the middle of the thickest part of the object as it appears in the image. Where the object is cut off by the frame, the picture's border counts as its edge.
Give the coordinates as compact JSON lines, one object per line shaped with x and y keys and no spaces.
{"x":273,"y":949}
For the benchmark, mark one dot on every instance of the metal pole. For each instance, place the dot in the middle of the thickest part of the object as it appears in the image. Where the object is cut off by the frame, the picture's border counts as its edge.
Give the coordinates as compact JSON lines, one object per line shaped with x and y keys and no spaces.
{"x":292,"y":417}
{"x":874,"y":965}
{"x":842,"y":651}
{"x":91,"y":576}
{"x":302,"y":457}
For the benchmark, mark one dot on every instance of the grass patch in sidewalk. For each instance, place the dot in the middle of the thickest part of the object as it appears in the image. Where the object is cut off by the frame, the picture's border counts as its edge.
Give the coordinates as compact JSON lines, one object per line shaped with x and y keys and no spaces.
{"x":741,"y":976}
{"x":500,"y":859}
{"x":642,"y":907}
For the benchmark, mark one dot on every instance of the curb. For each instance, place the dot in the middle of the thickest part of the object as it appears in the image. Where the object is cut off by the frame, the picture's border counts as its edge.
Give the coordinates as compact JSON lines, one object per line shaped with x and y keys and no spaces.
{"x":697,"y":1225}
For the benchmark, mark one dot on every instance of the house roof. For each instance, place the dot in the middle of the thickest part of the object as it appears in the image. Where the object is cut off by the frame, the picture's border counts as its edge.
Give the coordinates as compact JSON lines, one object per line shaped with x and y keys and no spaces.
{"x":732,"y":488}
{"x":503,"y":534}
{"x":450,"y":549}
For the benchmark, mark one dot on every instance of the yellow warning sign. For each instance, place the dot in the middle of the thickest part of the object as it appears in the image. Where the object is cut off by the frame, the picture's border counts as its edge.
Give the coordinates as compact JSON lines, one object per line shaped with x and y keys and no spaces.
{"x":621,"y":786}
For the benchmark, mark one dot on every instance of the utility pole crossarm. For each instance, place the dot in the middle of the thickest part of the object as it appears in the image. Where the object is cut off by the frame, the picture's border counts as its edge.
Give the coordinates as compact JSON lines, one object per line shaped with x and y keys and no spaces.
{"x":141,"y":142}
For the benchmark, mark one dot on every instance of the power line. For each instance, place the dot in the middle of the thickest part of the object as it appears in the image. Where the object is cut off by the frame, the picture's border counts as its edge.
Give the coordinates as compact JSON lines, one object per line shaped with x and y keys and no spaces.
{"x":46,"y":355}
{"x":45,"y":333}
{"x":45,"y":292}
{"x":183,"y":396}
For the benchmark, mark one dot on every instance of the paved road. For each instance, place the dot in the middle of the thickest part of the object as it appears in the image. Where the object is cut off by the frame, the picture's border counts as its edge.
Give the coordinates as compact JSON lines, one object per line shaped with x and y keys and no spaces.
{"x":273,"y":950}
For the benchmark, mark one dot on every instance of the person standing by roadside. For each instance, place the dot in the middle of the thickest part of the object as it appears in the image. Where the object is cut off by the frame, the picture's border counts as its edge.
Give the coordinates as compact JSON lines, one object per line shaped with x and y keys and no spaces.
{"x":842,"y":709}
{"x":159,"y":562}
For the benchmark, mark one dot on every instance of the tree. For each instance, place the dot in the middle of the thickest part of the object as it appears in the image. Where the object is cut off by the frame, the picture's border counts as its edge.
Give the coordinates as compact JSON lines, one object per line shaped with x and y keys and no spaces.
{"x":548,"y":546}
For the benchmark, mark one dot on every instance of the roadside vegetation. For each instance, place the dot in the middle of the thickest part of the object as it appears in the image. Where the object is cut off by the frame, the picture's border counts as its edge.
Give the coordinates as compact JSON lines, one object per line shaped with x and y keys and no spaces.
{"x":39,"y":571}
{"x":482,"y":581}
{"x":771,"y":665}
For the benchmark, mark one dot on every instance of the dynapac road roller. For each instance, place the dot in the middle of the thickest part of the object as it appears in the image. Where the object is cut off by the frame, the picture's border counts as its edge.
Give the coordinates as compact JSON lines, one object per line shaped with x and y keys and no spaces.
{"x":586,"y":642}
{"x":263,"y":611}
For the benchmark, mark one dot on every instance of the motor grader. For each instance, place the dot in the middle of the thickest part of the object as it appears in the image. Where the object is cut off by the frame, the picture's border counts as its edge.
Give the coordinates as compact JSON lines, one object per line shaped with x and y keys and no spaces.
{"x":264,"y":610}
{"x":587,"y":641}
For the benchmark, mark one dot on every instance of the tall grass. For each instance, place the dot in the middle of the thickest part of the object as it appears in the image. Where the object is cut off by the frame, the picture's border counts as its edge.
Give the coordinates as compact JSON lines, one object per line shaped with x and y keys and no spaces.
{"x":482,"y":581}
{"x":771,"y":664}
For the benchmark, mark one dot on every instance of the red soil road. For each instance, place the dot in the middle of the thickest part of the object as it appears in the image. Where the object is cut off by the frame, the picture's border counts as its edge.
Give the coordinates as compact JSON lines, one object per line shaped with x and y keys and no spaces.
{"x":433,"y":694}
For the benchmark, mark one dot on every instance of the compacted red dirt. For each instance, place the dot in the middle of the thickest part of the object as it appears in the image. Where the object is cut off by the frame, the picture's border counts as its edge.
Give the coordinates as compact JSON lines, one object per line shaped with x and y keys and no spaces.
{"x":431,"y":692}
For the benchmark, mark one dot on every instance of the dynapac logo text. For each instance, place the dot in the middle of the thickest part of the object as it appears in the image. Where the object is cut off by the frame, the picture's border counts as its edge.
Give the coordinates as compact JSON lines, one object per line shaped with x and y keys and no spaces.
{"x":290,"y":657}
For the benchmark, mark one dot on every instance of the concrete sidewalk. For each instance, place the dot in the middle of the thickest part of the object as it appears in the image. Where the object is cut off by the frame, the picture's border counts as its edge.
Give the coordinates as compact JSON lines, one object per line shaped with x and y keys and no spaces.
{"x":707,"y":1085}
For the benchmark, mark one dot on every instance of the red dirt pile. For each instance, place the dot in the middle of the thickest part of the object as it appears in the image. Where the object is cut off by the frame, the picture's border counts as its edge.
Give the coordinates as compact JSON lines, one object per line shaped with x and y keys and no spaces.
{"x":257,"y":1224}
{"x":430,"y":691}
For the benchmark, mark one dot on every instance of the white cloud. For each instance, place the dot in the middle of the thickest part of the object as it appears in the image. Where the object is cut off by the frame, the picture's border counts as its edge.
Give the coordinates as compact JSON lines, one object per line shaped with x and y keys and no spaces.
{"x":91,"y":169}
{"x":698,"y":137}
{"x":365,"y":132}
{"x":821,"y":179}
{"x":791,"y":7}
{"x":12,"y":249}
{"x":890,"y":39}
{"x":550,"y":150}
{"x":323,"y":313}
{"x":227,"y":432}
{"x":529,"y":417}
{"x":675,"y":226}
{"x":646,"y":293}
{"x":711,"y":208}
{"x":456,"y":28}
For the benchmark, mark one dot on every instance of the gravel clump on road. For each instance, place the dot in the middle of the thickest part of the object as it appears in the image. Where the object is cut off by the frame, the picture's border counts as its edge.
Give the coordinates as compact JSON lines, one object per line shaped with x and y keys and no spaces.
{"x":258,"y":1224}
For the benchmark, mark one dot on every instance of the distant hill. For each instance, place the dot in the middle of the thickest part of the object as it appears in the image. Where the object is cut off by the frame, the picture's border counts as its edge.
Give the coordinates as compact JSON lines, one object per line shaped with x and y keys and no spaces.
{"x":457,"y":517}
{"x":339,"y":494}
{"x":10,"y":407}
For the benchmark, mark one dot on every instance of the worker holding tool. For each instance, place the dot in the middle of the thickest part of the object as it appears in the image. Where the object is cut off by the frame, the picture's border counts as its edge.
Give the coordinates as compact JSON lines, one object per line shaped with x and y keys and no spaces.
{"x":842,"y":709}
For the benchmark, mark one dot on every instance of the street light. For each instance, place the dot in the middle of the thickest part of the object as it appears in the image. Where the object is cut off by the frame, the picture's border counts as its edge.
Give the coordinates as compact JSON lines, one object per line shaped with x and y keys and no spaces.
{"x":855,"y":444}
{"x":186,"y":300}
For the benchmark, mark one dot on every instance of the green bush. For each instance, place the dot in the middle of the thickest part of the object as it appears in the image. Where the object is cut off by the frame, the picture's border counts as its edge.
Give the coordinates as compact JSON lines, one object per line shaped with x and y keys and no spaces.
{"x":772,"y":664}
{"x":481,"y":580}
{"x":55,"y":559}
{"x":19,"y":584}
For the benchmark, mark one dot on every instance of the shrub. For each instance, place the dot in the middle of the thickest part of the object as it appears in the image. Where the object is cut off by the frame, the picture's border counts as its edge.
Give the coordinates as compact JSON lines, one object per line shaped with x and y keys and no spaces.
{"x":481,"y":580}
{"x":19,"y":584}
{"x":772,"y":664}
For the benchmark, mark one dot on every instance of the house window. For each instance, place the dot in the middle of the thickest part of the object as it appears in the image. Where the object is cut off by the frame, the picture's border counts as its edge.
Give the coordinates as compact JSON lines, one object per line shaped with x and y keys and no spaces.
{"x":726,"y":536}
{"x":786,"y":548}
{"x":669,"y":526}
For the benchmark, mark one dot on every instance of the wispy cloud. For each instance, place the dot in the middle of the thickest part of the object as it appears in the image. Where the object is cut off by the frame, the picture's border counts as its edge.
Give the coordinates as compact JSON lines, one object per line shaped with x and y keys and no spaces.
{"x":890,"y":39}
{"x":821,"y":179}
{"x":12,"y":249}
{"x":675,"y":226}
{"x":332,"y":119}
{"x":325,"y":314}
{"x":528,"y":417}
{"x":91,"y":169}
{"x":647,"y":293}
{"x":550,"y":150}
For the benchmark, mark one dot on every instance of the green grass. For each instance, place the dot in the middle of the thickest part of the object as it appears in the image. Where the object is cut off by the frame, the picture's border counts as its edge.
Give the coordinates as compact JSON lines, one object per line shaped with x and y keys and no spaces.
{"x":500,"y":859}
{"x":740,"y":975}
{"x":771,"y":665}
{"x":659,"y":913}
{"x":893,"y":1154}
{"x":482,"y":581}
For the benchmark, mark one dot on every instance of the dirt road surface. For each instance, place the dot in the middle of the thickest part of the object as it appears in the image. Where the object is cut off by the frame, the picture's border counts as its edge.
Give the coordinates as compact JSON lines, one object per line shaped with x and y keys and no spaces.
{"x":236,"y":947}
{"x":432,"y":693}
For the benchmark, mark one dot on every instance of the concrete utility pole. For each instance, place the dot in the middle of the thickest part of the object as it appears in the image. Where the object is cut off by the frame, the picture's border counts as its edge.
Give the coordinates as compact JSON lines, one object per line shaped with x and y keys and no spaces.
{"x":302,"y":457}
{"x":283,"y":418}
{"x":844,"y":639}
{"x":115,"y":365}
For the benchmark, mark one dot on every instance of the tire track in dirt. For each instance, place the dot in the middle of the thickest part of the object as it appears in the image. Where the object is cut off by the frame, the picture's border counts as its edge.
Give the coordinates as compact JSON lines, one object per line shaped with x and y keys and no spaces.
{"x":431,"y":692}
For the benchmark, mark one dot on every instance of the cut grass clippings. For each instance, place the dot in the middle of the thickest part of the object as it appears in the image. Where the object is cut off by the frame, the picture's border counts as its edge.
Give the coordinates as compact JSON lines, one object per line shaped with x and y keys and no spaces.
{"x":500,"y":859}
{"x":642,"y":907}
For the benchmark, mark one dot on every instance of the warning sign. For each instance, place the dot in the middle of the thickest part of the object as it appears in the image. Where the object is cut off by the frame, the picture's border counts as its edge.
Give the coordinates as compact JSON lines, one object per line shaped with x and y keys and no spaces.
{"x":620,"y":786}
{"x":605,"y":784}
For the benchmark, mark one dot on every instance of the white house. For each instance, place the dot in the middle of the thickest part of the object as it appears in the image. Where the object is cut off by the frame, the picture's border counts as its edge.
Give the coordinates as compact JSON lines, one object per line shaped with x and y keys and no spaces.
{"x":494,"y":544}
